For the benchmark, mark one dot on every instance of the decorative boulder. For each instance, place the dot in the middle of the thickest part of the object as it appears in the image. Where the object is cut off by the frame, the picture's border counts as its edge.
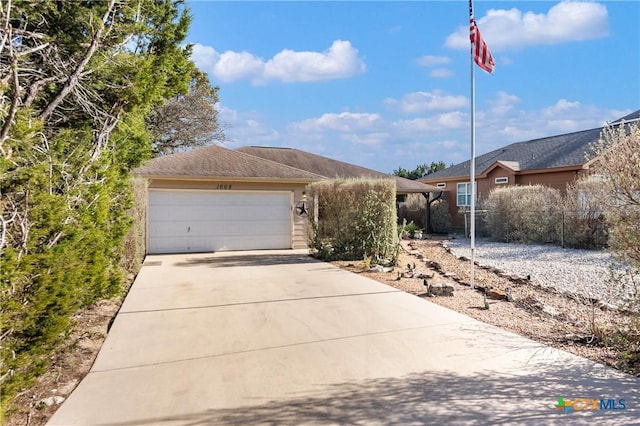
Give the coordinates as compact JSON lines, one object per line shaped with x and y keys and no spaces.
{"x":439,"y":289}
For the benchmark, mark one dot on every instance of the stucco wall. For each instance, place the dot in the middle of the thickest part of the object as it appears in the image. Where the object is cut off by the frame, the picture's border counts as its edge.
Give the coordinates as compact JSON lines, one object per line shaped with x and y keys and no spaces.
{"x":557,"y":180}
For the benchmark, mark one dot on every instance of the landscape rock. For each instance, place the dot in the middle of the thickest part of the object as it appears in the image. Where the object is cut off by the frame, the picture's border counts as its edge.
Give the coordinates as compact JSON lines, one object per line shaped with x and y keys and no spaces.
{"x":66,"y":388}
{"x":52,"y":400}
{"x":380,"y":268}
{"x":606,"y":306}
{"x":496,"y":294}
{"x":439,"y":289}
{"x":550,"y":310}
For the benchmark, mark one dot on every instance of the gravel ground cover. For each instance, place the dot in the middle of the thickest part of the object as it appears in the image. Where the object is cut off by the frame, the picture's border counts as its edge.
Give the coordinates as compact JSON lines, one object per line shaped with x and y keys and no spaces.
{"x":584,"y":272}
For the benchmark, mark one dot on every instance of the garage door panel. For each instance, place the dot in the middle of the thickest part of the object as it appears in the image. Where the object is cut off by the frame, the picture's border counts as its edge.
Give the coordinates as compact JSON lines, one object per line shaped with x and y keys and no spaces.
{"x":167,"y":229}
{"x":221,"y":199}
{"x":237,"y":243}
{"x":190,"y":221}
{"x":215,"y":213}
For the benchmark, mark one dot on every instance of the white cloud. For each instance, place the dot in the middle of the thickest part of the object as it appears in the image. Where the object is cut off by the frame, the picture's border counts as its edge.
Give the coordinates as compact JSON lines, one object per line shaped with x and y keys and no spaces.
{"x":237,"y":66}
{"x":562,"y":106}
{"x":339,"y":122}
{"x":205,"y":57}
{"x":441,"y":73}
{"x":512,"y":29}
{"x":370,"y":139}
{"x":518,"y":125}
{"x":503,"y":103}
{"x":431,"y":61}
{"x":341,"y":60}
{"x":449,"y":144}
{"x":246,"y":128}
{"x":448,"y":121}
{"x":421,"y":102}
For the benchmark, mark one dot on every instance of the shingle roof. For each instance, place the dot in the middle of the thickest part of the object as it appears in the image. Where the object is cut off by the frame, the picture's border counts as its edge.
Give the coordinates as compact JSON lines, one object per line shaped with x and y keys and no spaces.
{"x":572,"y":149}
{"x":331,"y":168}
{"x":216,"y":161}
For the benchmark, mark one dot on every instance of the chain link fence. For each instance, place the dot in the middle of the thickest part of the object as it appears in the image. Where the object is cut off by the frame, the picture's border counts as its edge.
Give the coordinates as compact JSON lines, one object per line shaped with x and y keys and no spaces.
{"x":585,"y":229}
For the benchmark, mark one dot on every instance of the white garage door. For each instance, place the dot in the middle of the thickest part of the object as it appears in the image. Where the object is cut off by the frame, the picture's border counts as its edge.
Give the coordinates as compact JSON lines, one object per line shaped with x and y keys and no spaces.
{"x":192,"y":221}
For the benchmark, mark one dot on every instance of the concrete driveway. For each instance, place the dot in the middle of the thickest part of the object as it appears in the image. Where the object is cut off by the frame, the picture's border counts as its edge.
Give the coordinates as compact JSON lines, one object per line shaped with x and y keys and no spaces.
{"x":275,"y":337}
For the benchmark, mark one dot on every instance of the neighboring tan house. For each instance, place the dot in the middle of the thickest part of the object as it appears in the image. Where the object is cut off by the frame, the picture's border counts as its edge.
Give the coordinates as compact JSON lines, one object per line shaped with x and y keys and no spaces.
{"x":331,"y":168}
{"x":217,"y":199}
{"x":553,"y":161}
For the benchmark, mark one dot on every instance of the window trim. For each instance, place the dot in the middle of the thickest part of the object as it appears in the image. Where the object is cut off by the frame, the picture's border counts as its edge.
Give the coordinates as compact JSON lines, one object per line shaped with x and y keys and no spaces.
{"x":467,"y":194}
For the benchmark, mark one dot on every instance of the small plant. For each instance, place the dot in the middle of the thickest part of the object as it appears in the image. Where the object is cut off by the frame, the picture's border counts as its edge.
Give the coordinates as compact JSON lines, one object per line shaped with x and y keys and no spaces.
{"x":411,"y":229}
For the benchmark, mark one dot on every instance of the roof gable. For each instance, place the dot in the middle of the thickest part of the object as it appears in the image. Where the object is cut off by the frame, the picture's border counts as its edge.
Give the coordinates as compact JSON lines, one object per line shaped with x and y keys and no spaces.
{"x":513,"y":166}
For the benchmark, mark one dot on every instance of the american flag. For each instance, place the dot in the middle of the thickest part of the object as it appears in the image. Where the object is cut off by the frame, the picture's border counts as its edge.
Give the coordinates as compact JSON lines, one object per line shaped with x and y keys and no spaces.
{"x":479,"y":49}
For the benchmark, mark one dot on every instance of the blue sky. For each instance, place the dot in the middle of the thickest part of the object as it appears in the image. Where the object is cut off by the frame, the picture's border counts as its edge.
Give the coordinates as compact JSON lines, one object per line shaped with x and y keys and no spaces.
{"x":387,"y":84}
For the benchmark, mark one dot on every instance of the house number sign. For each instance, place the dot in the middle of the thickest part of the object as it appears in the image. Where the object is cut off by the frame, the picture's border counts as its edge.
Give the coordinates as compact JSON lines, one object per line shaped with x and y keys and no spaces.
{"x":223,"y":186}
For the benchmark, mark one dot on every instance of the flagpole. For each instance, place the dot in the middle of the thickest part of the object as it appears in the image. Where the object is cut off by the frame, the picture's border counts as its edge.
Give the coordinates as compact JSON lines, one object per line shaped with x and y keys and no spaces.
{"x":472,"y":171}
{"x":482,"y":57}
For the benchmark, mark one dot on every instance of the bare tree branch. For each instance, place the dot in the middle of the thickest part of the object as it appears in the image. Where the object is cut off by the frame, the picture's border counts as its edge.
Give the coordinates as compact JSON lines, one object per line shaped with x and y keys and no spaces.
{"x":5,"y":33}
{"x":74,"y":78}
{"x":4,"y":133}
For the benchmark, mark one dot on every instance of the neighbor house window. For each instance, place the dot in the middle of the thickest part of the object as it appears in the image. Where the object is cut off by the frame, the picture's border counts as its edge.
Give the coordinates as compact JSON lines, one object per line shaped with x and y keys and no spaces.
{"x":441,"y":185}
{"x":500,"y":180}
{"x":464,"y":194}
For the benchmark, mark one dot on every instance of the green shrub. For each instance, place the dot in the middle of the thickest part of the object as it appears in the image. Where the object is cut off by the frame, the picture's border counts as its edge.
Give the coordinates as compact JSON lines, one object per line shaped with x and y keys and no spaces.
{"x":583,"y":220}
{"x":414,"y":210}
{"x":356,"y":219}
{"x":411,"y":228}
{"x":440,"y":217}
{"x":524,"y":214}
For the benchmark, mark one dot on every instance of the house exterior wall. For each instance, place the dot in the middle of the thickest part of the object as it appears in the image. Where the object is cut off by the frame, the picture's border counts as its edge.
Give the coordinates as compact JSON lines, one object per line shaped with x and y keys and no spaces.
{"x":299,"y":224}
{"x":557,"y":180}
{"x":553,"y":179}
{"x":451,"y":196}
{"x":496,"y":173}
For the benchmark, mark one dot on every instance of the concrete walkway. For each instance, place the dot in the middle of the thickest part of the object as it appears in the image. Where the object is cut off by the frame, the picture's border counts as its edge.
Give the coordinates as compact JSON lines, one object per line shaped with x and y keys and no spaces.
{"x":278,"y":338}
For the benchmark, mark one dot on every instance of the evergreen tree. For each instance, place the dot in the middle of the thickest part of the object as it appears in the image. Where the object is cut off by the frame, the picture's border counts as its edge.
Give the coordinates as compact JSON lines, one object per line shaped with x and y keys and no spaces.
{"x":77,"y":83}
{"x":420,"y":171}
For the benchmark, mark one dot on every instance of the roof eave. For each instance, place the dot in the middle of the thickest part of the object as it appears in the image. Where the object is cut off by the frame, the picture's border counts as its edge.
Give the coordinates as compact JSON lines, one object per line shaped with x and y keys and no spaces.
{"x":418,"y":191}
{"x":231,"y":178}
{"x":583,"y":166}
{"x":574,"y":167}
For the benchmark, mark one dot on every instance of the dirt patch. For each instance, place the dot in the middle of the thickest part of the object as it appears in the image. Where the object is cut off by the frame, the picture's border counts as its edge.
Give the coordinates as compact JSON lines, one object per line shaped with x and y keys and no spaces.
{"x":560,"y":320}
{"x":67,"y":367}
